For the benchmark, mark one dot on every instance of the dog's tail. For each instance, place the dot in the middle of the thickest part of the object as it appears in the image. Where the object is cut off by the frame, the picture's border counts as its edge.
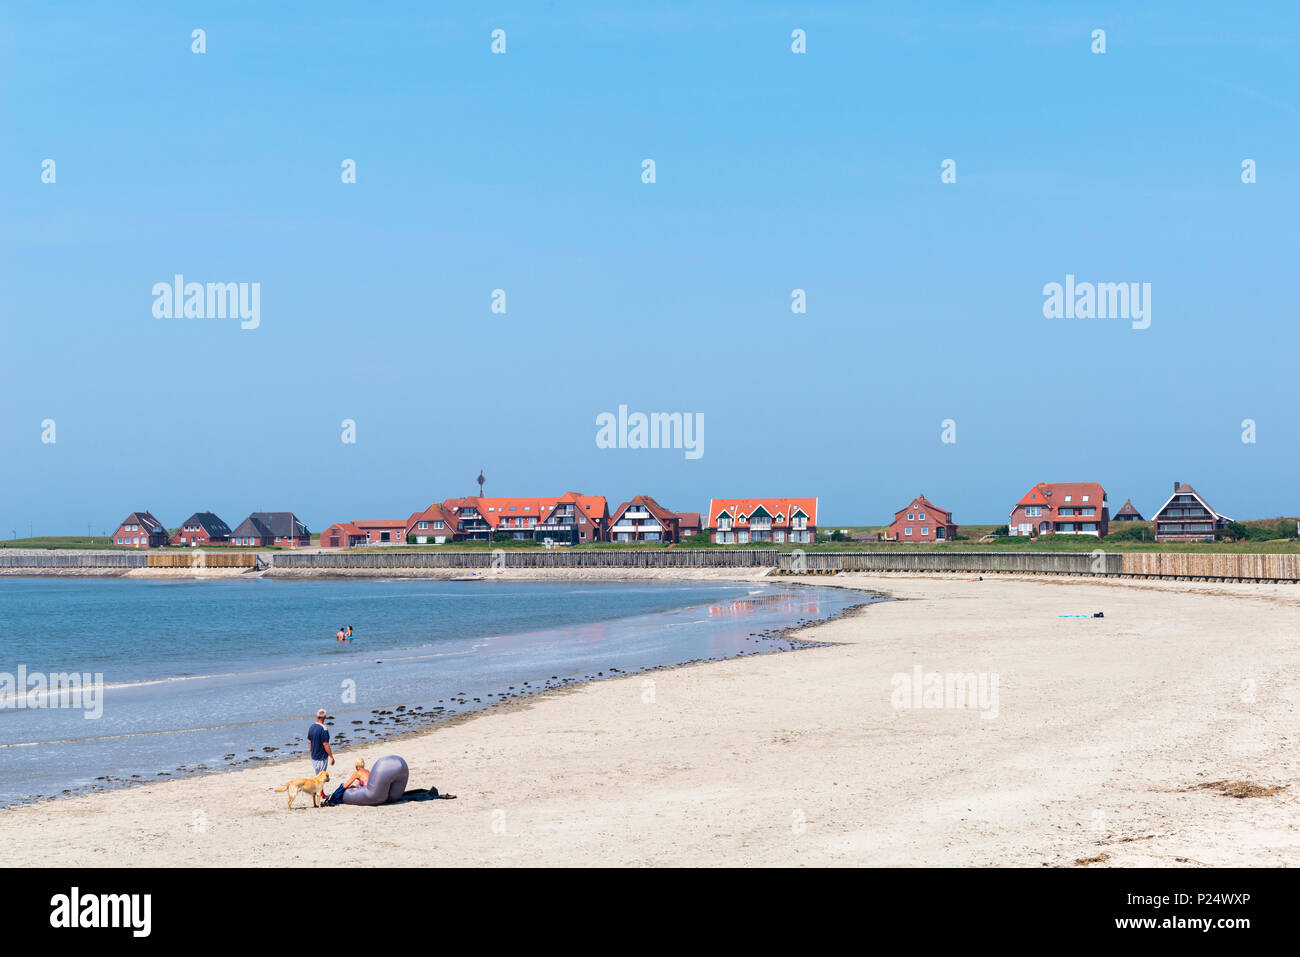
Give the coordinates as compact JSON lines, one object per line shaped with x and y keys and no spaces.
{"x":285,"y":788}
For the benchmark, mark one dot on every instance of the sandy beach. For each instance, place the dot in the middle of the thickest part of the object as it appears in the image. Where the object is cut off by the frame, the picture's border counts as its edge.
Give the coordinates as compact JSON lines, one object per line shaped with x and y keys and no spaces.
{"x":1107,"y":743}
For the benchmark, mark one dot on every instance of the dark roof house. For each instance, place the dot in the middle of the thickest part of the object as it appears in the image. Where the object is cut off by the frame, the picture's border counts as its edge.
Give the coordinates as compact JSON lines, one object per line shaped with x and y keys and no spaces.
{"x":271,"y":528}
{"x":1187,"y":517}
{"x":1127,"y":513}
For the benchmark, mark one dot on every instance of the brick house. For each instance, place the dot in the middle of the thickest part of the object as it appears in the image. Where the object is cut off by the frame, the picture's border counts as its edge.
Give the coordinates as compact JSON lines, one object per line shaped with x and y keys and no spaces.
{"x":1187,"y":517}
{"x":202,"y":528}
{"x":265,"y":529}
{"x":743,"y":521}
{"x":1061,"y":508}
{"x":140,"y":530}
{"x":435,"y":525}
{"x":364,"y":532}
{"x":644,"y":520}
{"x":688,"y":524}
{"x":922,"y":522}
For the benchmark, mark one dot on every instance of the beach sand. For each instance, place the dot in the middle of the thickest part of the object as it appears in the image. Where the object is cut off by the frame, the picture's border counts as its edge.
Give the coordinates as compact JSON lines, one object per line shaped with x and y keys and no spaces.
{"x":1106,"y":731}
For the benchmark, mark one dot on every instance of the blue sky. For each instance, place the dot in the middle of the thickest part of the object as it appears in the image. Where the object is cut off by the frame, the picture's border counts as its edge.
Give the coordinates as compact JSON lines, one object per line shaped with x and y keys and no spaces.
{"x":522,"y":171}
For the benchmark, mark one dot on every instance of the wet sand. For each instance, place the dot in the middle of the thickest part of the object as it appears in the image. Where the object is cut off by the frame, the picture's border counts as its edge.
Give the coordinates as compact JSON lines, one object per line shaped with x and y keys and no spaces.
{"x":1117,"y":741}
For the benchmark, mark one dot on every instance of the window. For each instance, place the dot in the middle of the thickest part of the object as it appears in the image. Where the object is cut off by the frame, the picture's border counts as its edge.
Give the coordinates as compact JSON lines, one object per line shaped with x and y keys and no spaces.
{"x":920,"y":517}
{"x":437,"y":524}
{"x":422,"y":525}
{"x":908,"y":530}
{"x":925,"y":530}
{"x":1034,"y":511}
{"x":1067,"y":498}
{"x":1085,"y":498}
{"x":911,"y":517}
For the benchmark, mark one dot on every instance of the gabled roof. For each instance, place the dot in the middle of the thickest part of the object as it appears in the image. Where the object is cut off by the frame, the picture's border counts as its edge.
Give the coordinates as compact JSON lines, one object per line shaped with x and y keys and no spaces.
{"x":252,"y":527}
{"x":495,"y":509}
{"x":922,"y":502}
{"x":1128,"y":508}
{"x":145,"y":520}
{"x":1188,"y":490}
{"x":347,"y":528}
{"x":688,"y":519}
{"x":434,"y":513}
{"x":282,"y":524}
{"x":661,"y":515}
{"x":1053,"y":494}
{"x":210,"y":523}
{"x":735,"y":507}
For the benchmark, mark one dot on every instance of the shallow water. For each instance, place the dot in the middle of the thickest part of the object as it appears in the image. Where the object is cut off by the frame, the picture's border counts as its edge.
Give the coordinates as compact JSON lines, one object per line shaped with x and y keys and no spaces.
{"x":215,"y":674}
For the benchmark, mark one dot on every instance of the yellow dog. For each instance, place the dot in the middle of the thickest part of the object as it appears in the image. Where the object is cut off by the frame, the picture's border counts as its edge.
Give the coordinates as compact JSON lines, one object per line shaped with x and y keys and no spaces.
{"x":313,"y":786}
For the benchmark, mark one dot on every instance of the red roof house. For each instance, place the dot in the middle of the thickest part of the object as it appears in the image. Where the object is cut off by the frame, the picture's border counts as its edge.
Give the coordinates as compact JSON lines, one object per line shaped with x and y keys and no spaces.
{"x":433,"y":526}
{"x":571,"y":518}
{"x":1061,"y":508}
{"x":644,"y":520}
{"x":922,"y":522}
{"x":746,"y":520}
{"x":364,"y":532}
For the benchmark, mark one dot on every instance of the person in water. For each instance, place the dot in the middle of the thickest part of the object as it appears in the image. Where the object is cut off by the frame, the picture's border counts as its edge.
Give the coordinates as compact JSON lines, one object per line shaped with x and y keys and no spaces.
{"x":340,"y":637}
{"x":348,"y":636}
{"x":360,"y":777}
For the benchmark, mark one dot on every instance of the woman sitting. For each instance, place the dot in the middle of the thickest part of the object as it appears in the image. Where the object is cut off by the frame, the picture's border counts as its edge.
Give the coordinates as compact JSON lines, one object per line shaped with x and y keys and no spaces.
{"x":360,"y":777}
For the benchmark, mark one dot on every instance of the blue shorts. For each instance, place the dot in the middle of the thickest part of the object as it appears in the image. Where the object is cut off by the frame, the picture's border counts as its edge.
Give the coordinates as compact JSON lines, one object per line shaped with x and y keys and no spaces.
{"x":320,"y":765}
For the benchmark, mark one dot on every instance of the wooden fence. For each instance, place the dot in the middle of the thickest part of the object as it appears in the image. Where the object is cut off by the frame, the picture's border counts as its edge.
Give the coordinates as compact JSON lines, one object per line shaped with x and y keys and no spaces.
{"x":1224,"y":567}
{"x":42,"y":558}
{"x":1184,"y":565}
{"x":197,"y":558}
{"x":990,"y":562}
{"x":550,"y":558}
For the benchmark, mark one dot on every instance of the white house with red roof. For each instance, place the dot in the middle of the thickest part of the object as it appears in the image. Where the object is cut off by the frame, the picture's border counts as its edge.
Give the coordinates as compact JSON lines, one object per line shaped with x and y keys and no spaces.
{"x":1061,"y":508}
{"x":741,"y":521}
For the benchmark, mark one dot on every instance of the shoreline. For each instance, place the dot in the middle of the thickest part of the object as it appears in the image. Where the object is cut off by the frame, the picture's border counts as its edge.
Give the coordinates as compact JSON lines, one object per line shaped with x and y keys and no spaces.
{"x":1115,"y":743}
{"x":430,"y":722}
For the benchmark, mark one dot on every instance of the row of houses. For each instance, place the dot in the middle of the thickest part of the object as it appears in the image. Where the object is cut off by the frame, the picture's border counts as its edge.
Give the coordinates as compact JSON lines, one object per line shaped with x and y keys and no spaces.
{"x":260,"y":530}
{"x":569,"y":519}
{"x":1048,"y":508}
{"x":1068,"y":508}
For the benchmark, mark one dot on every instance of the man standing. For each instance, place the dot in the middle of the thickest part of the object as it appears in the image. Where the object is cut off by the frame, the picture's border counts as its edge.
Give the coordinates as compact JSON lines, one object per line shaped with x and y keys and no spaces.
{"x":322,"y":756}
